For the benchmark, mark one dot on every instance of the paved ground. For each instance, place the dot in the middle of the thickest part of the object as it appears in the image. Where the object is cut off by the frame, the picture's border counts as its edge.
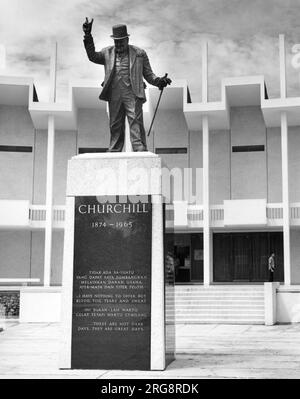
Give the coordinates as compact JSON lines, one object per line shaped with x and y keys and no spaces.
{"x":203,"y":351}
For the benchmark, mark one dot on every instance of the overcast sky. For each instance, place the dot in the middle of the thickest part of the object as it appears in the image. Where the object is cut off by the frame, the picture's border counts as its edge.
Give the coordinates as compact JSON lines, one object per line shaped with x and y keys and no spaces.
{"x":242,"y":36}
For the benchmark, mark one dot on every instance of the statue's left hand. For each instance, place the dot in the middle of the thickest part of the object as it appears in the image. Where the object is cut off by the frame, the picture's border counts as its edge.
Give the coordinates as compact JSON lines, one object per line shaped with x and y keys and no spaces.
{"x":87,"y":26}
{"x":163,"y":82}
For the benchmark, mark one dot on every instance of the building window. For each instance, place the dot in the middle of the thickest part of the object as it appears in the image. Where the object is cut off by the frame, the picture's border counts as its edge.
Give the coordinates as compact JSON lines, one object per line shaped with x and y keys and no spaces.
{"x":243,"y":257}
{"x":178,"y":150}
{"x":15,"y":148}
{"x":248,"y":148}
{"x":93,"y":150}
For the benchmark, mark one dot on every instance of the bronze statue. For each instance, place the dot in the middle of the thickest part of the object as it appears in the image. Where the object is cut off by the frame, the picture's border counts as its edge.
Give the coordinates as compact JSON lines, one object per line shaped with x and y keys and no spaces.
{"x":123,"y":87}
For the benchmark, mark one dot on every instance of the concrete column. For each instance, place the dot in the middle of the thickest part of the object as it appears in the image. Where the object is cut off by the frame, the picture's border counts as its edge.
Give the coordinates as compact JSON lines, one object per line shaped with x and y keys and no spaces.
{"x":285,"y":199}
{"x":207,"y":269}
{"x":50,"y":161}
{"x":49,"y":201}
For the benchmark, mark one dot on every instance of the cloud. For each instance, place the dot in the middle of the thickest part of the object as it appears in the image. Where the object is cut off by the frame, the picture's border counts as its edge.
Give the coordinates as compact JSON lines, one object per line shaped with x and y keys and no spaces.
{"x":242,"y":38}
{"x":2,"y":57}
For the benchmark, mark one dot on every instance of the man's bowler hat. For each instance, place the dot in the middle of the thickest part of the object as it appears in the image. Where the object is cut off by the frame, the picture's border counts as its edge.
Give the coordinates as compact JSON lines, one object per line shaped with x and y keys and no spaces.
{"x":119,"y":32}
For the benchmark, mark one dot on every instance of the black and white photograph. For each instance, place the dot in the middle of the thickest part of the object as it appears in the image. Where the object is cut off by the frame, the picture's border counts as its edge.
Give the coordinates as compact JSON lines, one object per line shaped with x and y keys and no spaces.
{"x":149,"y":193}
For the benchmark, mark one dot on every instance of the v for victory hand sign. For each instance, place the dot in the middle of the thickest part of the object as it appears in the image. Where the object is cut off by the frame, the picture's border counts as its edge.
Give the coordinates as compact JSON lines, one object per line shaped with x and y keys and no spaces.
{"x":87,"y":26}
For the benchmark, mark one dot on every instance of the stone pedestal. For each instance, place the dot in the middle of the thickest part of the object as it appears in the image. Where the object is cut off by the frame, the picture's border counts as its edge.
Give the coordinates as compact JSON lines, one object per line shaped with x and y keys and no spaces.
{"x":40,"y":304}
{"x":113,"y":302}
{"x":270,"y":292}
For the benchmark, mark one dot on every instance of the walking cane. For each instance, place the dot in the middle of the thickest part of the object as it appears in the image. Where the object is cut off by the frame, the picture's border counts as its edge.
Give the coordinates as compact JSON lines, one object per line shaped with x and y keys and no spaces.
{"x":161,"y":92}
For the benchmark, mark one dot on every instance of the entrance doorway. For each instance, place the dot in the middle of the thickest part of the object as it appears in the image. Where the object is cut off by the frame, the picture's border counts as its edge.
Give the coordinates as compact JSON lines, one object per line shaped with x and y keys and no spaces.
{"x":188,"y":257}
{"x":243,"y":257}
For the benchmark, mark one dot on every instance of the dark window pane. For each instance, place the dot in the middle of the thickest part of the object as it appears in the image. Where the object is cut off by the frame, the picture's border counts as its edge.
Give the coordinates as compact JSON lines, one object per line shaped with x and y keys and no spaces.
{"x":244,"y":256}
{"x":93,"y":150}
{"x":15,"y":148}
{"x":180,"y":150}
{"x":248,"y":148}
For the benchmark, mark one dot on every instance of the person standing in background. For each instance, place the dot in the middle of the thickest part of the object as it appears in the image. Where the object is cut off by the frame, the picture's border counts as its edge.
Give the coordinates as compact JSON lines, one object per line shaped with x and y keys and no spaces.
{"x":271,"y":264}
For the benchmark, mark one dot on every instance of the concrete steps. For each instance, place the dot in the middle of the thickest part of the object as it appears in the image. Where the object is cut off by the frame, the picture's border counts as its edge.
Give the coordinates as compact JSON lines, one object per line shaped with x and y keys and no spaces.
{"x":234,"y":304}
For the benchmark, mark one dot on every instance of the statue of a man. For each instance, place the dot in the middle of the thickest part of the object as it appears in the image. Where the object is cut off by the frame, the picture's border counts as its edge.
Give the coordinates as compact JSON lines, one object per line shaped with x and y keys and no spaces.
{"x":123,"y":87}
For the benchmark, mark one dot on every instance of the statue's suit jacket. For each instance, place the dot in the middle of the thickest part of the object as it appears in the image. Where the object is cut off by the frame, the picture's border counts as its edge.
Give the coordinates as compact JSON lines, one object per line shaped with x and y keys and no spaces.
{"x":139,"y":67}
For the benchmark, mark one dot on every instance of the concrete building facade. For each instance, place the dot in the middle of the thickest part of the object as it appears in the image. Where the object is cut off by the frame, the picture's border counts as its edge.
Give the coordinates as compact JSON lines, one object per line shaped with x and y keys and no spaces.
{"x":243,"y":156}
